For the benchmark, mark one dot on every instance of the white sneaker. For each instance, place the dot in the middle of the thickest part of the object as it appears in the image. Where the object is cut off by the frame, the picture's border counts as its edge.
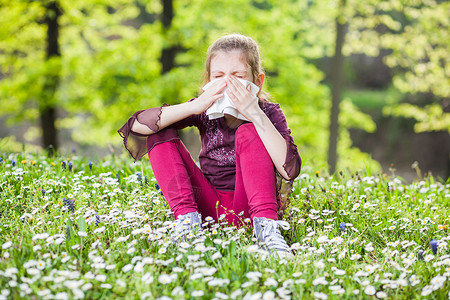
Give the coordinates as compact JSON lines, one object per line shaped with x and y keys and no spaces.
{"x":186,"y":224}
{"x":267,"y":233}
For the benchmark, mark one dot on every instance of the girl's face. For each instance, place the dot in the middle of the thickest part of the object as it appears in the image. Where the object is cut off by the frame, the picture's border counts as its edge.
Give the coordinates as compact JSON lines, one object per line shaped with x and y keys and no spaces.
{"x":232,"y":64}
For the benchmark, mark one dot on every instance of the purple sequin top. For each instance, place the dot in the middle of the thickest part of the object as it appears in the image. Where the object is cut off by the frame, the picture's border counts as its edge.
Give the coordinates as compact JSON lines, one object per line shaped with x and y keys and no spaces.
{"x":217,"y":156}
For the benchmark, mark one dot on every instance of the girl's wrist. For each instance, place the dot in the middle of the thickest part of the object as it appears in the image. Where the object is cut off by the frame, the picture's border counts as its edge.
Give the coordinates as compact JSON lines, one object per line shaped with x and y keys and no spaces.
{"x":193,"y":107}
{"x":255,"y":114}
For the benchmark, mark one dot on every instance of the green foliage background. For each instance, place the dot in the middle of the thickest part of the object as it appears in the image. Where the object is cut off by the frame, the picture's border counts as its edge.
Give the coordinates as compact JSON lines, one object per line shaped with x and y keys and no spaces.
{"x":110,"y":63}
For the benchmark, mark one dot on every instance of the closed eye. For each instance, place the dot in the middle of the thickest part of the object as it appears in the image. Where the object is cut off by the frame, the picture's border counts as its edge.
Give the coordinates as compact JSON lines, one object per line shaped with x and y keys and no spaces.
{"x":240,"y":74}
{"x":215,"y":75}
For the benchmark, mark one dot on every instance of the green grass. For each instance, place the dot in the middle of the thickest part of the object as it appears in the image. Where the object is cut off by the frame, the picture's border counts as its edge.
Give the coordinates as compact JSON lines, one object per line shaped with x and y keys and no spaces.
{"x":115,"y":243}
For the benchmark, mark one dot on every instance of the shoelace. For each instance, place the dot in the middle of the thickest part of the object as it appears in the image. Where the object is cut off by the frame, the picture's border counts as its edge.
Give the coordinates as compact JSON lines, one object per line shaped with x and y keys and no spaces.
{"x":272,"y":236}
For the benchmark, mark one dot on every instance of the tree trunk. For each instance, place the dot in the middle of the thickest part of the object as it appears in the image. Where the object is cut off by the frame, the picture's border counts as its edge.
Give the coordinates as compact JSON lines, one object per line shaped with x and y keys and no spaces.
{"x":49,"y":134}
{"x":168,"y":54}
{"x":336,"y":85}
{"x":52,"y":77}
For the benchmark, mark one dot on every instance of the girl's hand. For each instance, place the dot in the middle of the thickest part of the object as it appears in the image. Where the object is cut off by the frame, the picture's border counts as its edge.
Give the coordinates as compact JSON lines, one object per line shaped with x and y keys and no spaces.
{"x":242,"y":98}
{"x":208,"y":97}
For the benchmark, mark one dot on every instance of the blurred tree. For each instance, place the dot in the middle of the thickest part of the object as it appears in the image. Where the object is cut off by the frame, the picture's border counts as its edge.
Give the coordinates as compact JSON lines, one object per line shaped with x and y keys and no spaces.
{"x":336,"y":85}
{"x":168,"y":52}
{"x":47,"y":103}
{"x":327,"y":24}
{"x":417,"y":35}
{"x":426,"y":65}
{"x":112,"y":62}
{"x":23,"y":33}
{"x":39,"y":82}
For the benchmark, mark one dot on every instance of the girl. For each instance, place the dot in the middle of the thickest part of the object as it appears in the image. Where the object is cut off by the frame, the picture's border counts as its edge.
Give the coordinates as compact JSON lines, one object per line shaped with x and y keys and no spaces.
{"x":239,"y":159}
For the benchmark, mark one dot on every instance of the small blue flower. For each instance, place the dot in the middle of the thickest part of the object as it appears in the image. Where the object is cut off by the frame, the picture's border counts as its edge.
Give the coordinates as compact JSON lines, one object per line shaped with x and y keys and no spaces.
{"x":90,"y":165}
{"x":118,"y":177}
{"x":139,"y":177}
{"x":420,"y":254}
{"x":97,"y":219}
{"x":343,"y":226}
{"x":13,"y":162}
{"x":63,"y":163}
{"x":1,"y":160}
{"x":157,"y":186}
{"x":146,"y":180}
{"x":70,"y":166}
{"x":70,"y":204}
{"x":434,"y":246}
{"x":43,"y":192}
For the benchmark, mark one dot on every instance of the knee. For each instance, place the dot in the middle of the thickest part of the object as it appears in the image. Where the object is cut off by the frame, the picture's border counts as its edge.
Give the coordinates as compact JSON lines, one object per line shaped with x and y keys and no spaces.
{"x":246,"y":133}
{"x":158,"y":139}
{"x":166,"y":147}
{"x":246,"y":130}
{"x":165,"y":151}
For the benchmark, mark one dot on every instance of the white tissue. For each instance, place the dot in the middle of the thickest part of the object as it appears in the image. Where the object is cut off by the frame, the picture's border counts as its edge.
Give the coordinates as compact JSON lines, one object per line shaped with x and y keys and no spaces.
{"x":224,"y":105}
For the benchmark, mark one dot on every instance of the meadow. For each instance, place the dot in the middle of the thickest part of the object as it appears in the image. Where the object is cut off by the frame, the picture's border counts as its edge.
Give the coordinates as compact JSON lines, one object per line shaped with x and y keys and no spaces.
{"x":71,"y":228}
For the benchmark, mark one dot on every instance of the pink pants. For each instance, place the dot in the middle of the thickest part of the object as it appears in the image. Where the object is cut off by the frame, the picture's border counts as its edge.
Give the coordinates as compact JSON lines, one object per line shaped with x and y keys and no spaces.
{"x":187,"y":190}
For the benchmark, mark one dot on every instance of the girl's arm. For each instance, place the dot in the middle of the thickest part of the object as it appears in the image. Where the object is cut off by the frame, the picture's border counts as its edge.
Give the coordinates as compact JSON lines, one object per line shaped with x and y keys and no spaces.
{"x":273,"y":141}
{"x":169,"y":115}
{"x":174,"y":113}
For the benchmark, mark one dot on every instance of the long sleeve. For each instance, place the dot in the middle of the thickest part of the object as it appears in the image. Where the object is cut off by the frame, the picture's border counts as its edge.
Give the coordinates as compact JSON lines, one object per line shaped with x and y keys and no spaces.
{"x":139,"y":144}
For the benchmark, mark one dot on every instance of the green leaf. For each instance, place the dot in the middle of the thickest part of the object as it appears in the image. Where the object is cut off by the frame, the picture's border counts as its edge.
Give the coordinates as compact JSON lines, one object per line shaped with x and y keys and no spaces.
{"x":70,"y":235}
{"x":232,"y":249}
{"x":82,"y":224}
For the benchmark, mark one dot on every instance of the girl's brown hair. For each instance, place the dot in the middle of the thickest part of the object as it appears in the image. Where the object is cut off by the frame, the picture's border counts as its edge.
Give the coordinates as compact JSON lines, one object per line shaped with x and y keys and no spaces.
{"x":249,"y":49}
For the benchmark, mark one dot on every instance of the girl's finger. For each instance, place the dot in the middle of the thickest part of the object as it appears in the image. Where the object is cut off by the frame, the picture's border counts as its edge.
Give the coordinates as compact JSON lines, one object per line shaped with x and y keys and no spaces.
{"x":240,"y":87}
{"x":217,"y":86}
{"x":235,"y":85}
{"x":232,"y":96}
{"x":217,"y":96}
{"x":219,"y":82}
